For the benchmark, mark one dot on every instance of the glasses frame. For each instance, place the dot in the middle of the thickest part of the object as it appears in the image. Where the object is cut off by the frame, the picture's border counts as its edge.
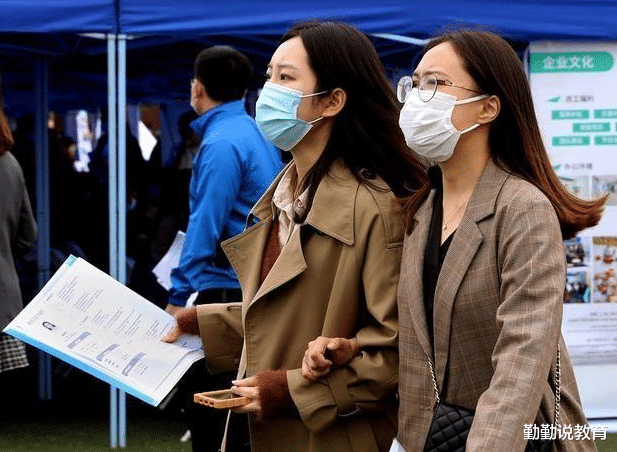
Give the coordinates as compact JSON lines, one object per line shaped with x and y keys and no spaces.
{"x":403,"y":91}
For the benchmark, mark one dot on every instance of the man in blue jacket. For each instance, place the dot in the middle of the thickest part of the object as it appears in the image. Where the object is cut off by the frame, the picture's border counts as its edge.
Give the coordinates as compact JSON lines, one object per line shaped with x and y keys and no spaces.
{"x":233,"y":168}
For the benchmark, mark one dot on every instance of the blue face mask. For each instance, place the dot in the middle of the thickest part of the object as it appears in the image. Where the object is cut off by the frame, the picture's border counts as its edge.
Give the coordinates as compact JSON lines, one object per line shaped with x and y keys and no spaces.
{"x":276,"y":115}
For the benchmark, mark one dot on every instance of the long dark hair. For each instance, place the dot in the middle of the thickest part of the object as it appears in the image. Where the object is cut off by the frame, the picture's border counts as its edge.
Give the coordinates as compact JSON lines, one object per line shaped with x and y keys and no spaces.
{"x":514,"y":137}
{"x":365,"y":134}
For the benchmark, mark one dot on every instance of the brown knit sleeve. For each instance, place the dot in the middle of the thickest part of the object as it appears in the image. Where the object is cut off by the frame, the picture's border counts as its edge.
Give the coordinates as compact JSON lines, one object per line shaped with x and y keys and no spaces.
{"x":187,"y":320}
{"x":274,"y":394}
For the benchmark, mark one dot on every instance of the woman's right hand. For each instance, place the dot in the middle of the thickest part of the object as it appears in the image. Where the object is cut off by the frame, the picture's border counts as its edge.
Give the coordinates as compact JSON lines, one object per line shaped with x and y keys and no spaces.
{"x":324,"y":352}
{"x":186,"y":322}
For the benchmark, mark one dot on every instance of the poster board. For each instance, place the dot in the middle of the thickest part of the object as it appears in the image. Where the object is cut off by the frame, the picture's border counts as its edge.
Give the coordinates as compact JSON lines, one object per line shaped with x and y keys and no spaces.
{"x":574,"y":86}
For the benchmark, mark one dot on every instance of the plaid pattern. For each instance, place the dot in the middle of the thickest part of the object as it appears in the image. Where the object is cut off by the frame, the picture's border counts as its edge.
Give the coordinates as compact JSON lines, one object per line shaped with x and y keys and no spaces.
{"x":12,"y":353}
{"x":497,"y":319}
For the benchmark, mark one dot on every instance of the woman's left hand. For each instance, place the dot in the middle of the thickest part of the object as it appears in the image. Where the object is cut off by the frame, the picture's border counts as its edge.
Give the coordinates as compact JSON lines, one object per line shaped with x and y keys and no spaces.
{"x":247,"y":387}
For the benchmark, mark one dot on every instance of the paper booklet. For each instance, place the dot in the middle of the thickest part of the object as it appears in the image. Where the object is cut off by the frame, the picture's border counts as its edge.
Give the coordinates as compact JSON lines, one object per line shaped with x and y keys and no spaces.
{"x":88,"y":319}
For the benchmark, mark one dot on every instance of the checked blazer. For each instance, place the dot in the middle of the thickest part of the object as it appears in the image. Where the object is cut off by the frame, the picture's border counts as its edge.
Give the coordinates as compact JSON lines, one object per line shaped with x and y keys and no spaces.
{"x":496,"y":320}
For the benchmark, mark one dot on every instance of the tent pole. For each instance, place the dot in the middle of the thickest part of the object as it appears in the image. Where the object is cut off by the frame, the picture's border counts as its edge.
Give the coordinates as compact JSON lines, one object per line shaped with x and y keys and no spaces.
{"x":122,"y":202}
{"x":41,"y":152}
{"x":112,"y":145}
{"x":116,"y":99}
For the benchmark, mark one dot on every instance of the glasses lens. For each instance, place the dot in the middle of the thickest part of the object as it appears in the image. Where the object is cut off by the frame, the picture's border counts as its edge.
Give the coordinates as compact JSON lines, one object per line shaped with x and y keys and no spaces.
{"x":403,"y":89}
{"x":427,"y":87}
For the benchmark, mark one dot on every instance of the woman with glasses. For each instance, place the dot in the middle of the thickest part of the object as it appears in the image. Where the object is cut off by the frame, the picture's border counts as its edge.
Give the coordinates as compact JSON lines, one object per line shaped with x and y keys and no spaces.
{"x":483,"y":273}
{"x":321,"y":256}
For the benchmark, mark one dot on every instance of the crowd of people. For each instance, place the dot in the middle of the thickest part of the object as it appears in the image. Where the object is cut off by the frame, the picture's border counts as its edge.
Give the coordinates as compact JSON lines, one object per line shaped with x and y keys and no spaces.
{"x":157,"y":203}
{"x":408,"y":259}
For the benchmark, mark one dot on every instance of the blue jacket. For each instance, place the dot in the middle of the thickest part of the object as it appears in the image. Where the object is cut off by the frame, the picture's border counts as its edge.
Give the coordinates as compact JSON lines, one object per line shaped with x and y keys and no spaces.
{"x":234,"y":167}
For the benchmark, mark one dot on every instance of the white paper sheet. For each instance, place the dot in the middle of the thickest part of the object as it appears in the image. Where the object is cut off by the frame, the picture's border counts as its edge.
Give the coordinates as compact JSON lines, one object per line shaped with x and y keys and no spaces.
{"x":88,"y":319}
{"x":169,"y":261}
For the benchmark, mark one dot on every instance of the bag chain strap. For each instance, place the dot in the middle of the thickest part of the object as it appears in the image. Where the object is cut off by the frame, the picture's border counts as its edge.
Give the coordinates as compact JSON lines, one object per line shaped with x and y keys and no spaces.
{"x":557,"y":383}
{"x":430,"y":365}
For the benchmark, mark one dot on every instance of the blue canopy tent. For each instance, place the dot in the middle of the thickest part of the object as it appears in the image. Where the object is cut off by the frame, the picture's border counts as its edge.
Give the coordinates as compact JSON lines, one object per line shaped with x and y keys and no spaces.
{"x":64,"y":54}
{"x":163,"y":37}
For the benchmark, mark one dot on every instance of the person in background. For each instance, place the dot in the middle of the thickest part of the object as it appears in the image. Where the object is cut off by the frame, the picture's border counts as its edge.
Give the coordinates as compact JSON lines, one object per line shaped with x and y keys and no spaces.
{"x":98,"y":219}
{"x":483,"y":272}
{"x":185,"y":151}
{"x":17,"y":235}
{"x":321,"y":255}
{"x":67,"y":193}
{"x":233,"y":168}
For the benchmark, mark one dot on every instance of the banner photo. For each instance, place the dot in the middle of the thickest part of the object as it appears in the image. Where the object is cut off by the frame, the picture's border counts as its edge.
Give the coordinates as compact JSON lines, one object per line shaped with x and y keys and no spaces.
{"x":574,"y":86}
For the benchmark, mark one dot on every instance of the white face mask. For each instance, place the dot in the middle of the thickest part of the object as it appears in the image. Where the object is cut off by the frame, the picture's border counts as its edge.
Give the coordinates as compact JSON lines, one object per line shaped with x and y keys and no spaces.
{"x":427,"y":126}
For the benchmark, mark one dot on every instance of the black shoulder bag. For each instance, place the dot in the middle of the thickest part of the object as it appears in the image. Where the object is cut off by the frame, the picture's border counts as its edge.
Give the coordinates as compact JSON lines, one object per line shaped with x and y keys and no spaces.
{"x":451,"y":423}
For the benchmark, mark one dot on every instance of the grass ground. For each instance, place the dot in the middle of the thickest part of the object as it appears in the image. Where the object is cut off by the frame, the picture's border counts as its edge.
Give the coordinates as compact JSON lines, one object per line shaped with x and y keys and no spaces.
{"x":77,"y":419}
{"x":608,"y":445}
{"x":146,"y":432}
{"x":58,"y":431}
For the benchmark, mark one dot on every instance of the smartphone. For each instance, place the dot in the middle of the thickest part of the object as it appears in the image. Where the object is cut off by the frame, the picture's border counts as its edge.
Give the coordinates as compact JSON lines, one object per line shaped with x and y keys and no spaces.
{"x":220,"y":399}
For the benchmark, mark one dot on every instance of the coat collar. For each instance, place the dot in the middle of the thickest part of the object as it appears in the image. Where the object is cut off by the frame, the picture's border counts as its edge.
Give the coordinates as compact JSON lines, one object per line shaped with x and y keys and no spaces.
{"x":483,"y":199}
{"x":463,"y":248}
{"x":332,"y":211}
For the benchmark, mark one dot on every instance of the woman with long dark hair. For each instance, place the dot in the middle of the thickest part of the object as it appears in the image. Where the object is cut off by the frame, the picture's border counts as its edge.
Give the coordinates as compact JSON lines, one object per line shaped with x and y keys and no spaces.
{"x":322,"y":255}
{"x":483,"y":272}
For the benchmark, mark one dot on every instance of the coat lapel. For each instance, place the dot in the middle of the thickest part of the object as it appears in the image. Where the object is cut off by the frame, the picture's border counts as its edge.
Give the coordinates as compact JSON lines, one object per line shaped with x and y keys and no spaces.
{"x":331,"y":213}
{"x":411,"y":288}
{"x":245,"y":252}
{"x":463,"y":248}
{"x":288,"y":265}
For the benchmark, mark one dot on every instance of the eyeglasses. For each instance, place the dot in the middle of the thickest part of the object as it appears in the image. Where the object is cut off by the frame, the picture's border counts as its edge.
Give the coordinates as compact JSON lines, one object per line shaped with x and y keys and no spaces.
{"x":426,"y":86}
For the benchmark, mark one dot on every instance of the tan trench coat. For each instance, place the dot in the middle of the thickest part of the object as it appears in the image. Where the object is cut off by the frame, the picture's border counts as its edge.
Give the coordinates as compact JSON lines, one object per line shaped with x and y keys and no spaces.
{"x":336,"y":277}
{"x":497,"y":319}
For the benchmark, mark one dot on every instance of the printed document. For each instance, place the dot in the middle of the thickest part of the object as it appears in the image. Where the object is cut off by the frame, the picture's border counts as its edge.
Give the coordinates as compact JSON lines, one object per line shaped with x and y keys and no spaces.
{"x":88,"y":319}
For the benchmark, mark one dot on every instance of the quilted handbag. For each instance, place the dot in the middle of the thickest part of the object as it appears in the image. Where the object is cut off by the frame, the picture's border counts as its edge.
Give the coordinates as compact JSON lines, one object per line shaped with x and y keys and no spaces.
{"x":451,"y":423}
{"x":449,"y":429}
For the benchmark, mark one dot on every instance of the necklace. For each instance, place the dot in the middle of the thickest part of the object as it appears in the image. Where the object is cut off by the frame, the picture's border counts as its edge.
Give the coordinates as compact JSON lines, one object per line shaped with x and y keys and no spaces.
{"x":454,"y":215}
